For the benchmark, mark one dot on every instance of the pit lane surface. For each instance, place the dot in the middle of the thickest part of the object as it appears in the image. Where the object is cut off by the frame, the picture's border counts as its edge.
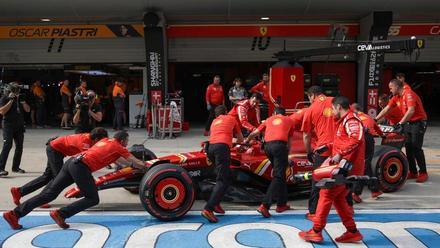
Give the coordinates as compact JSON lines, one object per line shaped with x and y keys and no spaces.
{"x":237,"y":229}
{"x":420,"y":200}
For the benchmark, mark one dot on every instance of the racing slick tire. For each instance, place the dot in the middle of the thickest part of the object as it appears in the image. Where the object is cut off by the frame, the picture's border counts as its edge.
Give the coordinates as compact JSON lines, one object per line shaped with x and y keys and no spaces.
{"x":142,"y":153}
{"x":390,"y":166}
{"x":167,"y":192}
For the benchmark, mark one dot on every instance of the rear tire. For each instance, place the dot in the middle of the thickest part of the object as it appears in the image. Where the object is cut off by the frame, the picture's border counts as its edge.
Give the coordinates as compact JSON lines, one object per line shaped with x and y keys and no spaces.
{"x":390,"y":166}
{"x":142,"y":153}
{"x":167,"y":192}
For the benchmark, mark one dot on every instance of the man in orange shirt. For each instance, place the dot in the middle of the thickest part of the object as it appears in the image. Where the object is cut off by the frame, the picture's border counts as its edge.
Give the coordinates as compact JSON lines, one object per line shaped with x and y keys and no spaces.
{"x":394,"y":115}
{"x":413,"y":122}
{"x":56,"y":150}
{"x":318,"y":118}
{"x":78,"y":170}
{"x":66,"y":102}
{"x":348,"y":143}
{"x":263,"y":89}
{"x":40,"y":98}
{"x":372,"y":129}
{"x":223,"y":129}
{"x":118,"y":102}
{"x":214,"y":97}
{"x":278,"y":129}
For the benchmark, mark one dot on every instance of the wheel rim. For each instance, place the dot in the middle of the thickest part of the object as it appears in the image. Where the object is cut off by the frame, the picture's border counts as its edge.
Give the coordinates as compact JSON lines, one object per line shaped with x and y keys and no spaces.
{"x":393,"y":170}
{"x":169,"y":193}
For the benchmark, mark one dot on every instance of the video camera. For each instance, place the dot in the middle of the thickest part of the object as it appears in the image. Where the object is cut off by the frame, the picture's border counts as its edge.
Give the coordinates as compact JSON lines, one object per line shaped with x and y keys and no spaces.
{"x":83,"y":100}
{"x":13,"y":89}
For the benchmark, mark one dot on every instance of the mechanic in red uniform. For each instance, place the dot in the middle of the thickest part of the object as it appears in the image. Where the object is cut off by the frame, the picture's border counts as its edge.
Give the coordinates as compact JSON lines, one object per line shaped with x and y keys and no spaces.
{"x":401,"y":78}
{"x":318,"y":118}
{"x":78,"y":170}
{"x":223,"y":129}
{"x":371,"y":130}
{"x":349,"y":144}
{"x":56,"y":150}
{"x":394,"y":115}
{"x":247,"y":113}
{"x":414,"y":123}
{"x":263,"y":89}
{"x":278,"y":129}
{"x":214,"y":97}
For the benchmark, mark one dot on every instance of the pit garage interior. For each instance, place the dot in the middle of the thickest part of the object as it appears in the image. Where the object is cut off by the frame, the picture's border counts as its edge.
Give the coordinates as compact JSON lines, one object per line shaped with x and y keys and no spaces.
{"x":231,"y":39}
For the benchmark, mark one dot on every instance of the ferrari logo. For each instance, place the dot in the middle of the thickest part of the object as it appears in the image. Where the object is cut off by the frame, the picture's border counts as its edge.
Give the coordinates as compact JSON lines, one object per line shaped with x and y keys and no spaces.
{"x":217,"y":122}
{"x":293,"y":78}
{"x":327,"y":112}
{"x":208,"y":162}
{"x":263,"y":31}
{"x":276,"y":122}
{"x":419,"y":43}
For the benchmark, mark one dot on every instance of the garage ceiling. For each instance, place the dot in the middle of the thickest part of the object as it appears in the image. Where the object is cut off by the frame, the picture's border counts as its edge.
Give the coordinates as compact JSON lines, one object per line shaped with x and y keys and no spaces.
{"x":212,"y":11}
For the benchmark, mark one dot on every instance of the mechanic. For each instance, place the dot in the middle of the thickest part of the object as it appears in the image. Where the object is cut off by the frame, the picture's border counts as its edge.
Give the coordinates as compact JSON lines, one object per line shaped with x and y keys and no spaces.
{"x":247,"y":113}
{"x":278,"y":129}
{"x":401,"y":78}
{"x":237,"y":92}
{"x":40,"y":99}
{"x":214,"y":97}
{"x":78,"y":170}
{"x":56,"y":150}
{"x":393,"y":116}
{"x":12,"y":107}
{"x":88,"y":112}
{"x":263,"y":89}
{"x":222,"y":129}
{"x":348,"y":143}
{"x":118,"y":103}
{"x":318,"y":118}
{"x":413,"y":122}
{"x":371,"y":130}
{"x":66,"y":102}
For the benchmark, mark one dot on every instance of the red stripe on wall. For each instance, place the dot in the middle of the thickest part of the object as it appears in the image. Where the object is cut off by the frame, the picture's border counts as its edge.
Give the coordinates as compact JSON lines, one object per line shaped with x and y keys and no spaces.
{"x":312,"y":30}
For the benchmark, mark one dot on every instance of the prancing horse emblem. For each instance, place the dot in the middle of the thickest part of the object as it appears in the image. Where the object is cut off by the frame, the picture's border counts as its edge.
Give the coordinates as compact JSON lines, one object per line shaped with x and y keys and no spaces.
{"x":292,"y":78}
{"x":263,"y":31}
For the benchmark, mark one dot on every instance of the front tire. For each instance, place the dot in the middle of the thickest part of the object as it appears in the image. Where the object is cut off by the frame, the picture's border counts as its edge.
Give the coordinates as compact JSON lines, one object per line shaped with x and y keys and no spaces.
{"x":390,"y":166}
{"x":141,"y":153}
{"x":167,"y":192}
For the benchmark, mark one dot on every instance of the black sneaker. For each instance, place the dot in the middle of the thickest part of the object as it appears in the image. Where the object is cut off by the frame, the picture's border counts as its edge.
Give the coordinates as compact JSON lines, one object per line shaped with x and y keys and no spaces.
{"x":3,"y":173}
{"x":19,"y":171}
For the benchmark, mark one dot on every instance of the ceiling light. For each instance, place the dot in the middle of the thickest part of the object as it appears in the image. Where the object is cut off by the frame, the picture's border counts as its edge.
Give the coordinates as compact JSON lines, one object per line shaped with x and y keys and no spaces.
{"x":45,"y":19}
{"x":265,"y":18}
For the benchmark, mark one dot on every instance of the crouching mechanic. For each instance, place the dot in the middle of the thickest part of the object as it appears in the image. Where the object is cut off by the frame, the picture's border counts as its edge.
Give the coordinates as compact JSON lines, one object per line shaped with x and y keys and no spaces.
{"x":78,"y":170}
{"x":56,"y":150}
{"x":348,"y":144}
{"x":278,"y":131}
{"x":222,"y":130}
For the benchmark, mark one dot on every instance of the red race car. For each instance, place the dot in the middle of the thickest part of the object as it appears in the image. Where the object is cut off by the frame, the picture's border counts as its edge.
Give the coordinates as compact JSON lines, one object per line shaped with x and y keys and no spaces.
{"x":169,"y":185}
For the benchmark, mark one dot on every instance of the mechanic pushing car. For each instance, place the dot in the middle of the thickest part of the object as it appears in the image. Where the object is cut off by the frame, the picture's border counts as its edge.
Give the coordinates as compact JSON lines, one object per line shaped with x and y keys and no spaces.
{"x":371,"y":130}
{"x":349,"y":144}
{"x":278,"y":129}
{"x":393,"y":116}
{"x":56,"y":150}
{"x":78,"y":170}
{"x":318,"y":118}
{"x":413,"y":123}
{"x":247,"y":113}
{"x":222,"y":129}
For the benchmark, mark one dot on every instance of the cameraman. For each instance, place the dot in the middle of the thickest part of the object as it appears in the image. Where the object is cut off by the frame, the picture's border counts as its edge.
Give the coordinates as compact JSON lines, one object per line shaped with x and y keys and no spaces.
{"x":12,"y":107}
{"x":87,"y":112}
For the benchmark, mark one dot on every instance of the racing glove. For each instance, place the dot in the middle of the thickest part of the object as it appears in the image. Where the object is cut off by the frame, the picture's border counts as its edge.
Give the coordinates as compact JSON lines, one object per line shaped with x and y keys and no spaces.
{"x":398,"y":128}
{"x":311,"y":157}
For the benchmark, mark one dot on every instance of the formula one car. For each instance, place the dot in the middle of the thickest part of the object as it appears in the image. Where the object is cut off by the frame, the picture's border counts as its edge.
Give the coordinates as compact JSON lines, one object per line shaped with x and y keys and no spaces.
{"x":169,"y":185}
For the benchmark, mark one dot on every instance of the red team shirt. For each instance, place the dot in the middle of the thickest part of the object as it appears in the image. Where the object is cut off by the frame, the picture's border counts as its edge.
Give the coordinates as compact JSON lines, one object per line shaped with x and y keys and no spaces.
{"x":247,"y":116}
{"x":103,"y":153}
{"x":277,"y":127}
{"x":263,"y":89}
{"x":223,"y":129}
{"x":214,"y":94}
{"x":394,"y":115}
{"x":409,"y":99}
{"x":71,"y":144}
{"x":349,"y":142}
{"x":319,"y":118}
{"x":370,"y":124}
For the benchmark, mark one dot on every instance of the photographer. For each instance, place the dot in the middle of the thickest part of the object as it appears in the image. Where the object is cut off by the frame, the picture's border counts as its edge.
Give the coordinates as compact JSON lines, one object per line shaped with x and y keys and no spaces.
{"x":87,"y":112}
{"x":12,"y":107}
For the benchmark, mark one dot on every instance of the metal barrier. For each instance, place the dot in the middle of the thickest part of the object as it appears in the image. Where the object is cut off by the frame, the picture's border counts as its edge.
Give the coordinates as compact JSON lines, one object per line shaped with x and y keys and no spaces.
{"x":167,"y":119}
